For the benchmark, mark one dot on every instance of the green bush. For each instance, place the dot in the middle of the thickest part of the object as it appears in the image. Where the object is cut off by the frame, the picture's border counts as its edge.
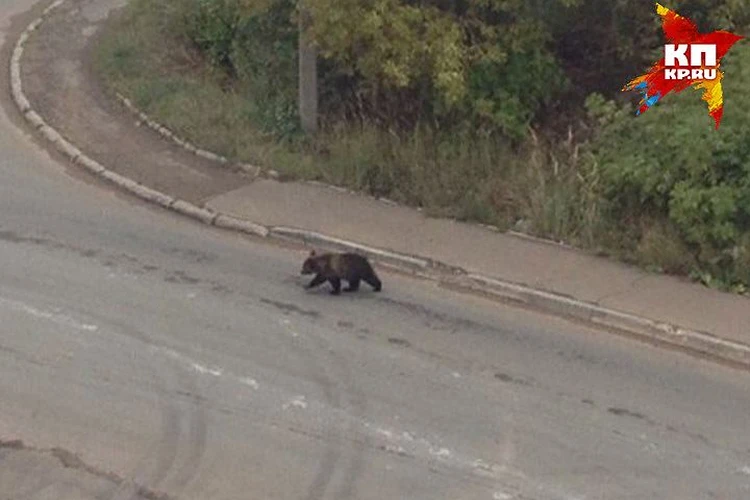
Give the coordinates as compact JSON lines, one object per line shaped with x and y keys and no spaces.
{"x":504,"y":97}
{"x":264,"y":57}
{"x":213,"y":26}
{"x":255,"y":45}
{"x":671,"y":164}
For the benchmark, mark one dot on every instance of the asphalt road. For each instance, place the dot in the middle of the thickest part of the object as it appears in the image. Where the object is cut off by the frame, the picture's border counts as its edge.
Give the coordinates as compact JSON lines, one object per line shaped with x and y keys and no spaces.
{"x":141,"y":354}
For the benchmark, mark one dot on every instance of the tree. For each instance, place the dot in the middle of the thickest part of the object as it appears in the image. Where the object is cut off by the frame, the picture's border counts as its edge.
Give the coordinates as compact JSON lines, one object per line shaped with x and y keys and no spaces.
{"x":481,"y":60}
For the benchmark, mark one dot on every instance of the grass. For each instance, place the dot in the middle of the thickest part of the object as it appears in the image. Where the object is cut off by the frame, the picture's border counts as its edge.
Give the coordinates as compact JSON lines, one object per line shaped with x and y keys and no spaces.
{"x":541,"y":189}
{"x":172,"y":83}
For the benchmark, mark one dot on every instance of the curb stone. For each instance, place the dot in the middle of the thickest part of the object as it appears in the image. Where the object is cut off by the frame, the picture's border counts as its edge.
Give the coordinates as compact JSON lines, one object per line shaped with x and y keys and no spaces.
{"x":51,"y":134}
{"x":119,"y":180}
{"x":23,"y":104}
{"x":245,"y":226}
{"x":89,"y":164}
{"x":202,"y":214}
{"x":68,"y":149}
{"x":34,"y":119}
{"x":148,"y":194}
{"x":558,"y":304}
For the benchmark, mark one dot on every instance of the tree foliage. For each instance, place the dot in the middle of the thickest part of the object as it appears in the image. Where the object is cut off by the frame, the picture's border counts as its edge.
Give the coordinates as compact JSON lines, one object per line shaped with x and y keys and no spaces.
{"x":484,"y":62}
{"x":494,"y":66}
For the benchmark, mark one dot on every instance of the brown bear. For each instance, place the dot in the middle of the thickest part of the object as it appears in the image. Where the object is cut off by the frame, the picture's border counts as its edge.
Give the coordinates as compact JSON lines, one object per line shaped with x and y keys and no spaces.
{"x":333,"y":267}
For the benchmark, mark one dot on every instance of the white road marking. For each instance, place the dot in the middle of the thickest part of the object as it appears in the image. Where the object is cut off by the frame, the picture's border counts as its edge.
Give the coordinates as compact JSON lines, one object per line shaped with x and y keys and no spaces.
{"x":201,"y":368}
{"x":298,"y":402}
{"x":408,"y":443}
{"x":55,"y":317}
{"x":250,"y":382}
{"x":442,"y":452}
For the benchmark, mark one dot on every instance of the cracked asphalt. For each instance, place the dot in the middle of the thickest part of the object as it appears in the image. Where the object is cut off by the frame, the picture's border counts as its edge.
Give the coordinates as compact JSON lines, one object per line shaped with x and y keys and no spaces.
{"x":146,"y":356}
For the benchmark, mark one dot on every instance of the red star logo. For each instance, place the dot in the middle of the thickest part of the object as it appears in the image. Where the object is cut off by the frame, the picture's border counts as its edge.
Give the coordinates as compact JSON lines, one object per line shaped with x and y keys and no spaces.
{"x":660,"y":80}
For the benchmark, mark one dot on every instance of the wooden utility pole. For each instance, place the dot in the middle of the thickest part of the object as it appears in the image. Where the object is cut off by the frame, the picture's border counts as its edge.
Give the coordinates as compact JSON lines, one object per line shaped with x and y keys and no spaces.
{"x":308,"y":77}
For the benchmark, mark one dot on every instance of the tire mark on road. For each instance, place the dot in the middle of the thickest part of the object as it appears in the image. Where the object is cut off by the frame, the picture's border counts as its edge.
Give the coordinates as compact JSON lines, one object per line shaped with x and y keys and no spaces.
{"x":357,"y":407}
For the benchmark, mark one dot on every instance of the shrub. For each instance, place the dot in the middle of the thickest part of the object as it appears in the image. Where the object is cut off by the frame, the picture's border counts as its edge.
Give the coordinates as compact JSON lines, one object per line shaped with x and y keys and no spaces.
{"x":671,"y":164}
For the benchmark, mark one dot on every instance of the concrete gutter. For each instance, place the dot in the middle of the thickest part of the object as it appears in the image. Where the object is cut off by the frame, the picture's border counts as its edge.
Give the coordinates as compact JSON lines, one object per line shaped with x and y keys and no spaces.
{"x":444,"y":274}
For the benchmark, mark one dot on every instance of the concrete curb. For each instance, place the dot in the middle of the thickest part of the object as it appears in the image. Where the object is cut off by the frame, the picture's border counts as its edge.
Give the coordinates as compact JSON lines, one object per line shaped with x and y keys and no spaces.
{"x":560,"y":305}
{"x":242,"y":225}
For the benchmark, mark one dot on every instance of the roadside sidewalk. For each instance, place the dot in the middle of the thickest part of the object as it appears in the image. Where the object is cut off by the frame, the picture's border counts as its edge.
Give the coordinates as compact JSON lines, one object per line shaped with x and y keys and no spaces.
{"x":59,"y":86}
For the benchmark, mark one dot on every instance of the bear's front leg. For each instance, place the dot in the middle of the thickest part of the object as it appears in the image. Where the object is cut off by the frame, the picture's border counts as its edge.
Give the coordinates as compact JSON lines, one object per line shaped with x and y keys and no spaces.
{"x":316,"y":281}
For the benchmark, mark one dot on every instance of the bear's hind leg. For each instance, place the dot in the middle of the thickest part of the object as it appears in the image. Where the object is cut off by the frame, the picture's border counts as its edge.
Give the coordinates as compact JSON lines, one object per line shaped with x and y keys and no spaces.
{"x":336,"y":284}
{"x":353,"y":285}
